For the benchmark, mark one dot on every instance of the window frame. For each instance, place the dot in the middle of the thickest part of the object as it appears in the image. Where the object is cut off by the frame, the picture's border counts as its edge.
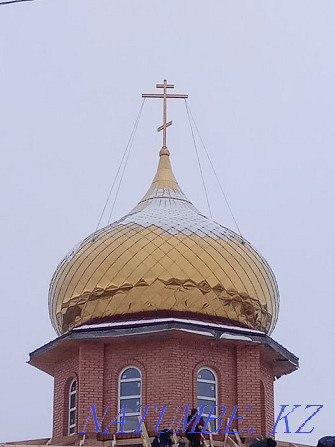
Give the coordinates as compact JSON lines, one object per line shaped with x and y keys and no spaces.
{"x":71,"y":409}
{"x":214,"y":399}
{"x":132,"y":396}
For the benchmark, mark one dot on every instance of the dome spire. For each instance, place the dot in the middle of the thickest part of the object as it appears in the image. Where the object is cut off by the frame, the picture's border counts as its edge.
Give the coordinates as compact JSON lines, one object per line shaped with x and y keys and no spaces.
{"x":164,"y":96}
{"x":163,"y":187}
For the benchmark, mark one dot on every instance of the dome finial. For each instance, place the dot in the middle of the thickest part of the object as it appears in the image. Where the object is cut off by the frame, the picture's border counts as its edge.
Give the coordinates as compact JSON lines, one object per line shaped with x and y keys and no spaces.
{"x":164,"y":151}
{"x":164,"y":96}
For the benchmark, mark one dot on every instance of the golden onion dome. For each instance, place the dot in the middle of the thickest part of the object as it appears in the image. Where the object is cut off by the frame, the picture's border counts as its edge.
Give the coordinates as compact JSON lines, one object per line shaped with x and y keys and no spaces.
{"x":164,"y":258}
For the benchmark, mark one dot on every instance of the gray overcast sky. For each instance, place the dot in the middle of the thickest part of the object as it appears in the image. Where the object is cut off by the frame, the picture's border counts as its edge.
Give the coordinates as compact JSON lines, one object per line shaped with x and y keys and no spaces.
{"x":260,"y":77}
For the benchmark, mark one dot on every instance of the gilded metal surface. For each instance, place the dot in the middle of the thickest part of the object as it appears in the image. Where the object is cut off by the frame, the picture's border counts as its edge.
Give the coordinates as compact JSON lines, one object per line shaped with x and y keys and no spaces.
{"x":164,"y":256}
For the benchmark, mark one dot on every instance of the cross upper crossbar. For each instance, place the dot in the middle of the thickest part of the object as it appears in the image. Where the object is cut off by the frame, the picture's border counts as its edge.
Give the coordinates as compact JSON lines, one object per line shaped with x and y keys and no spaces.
{"x":160,"y":95}
{"x":164,"y":96}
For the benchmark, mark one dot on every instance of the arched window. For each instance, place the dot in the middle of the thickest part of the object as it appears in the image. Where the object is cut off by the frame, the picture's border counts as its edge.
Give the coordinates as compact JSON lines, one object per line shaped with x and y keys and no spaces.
{"x":72,"y":406}
{"x":207,"y":393}
{"x":130,"y":395}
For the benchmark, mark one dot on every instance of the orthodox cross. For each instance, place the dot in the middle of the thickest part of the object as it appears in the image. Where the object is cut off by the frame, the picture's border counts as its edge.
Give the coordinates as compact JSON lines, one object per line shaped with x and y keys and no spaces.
{"x":164,"y":96}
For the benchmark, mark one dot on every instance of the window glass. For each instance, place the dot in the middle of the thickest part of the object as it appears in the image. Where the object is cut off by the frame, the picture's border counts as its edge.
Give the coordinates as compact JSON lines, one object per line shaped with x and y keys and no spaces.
{"x":131,"y":373}
{"x":72,"y":400}
{"x":72,"y":407}
{"x":131,"y":404}
{"x":206,"y":374}
{"x":130,"y":423}
{"x":130,"y":396}
{"x":72,"y":417}
{"x":130,"y":388}
{"x":208,"y":404}
{"x":207,"y":391}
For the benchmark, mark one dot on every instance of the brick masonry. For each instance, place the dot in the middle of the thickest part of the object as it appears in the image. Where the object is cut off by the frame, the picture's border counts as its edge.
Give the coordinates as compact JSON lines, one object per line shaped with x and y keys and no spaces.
{"x":169,"y":364}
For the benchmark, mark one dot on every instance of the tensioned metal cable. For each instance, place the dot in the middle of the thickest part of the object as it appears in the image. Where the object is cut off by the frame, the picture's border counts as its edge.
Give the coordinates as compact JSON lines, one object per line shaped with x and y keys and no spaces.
{"x":126,"y":162}
{"x":212,"y":165}
{"x":126,"y":151}
{"x":14,"y":1}
{"x":198,"y":158}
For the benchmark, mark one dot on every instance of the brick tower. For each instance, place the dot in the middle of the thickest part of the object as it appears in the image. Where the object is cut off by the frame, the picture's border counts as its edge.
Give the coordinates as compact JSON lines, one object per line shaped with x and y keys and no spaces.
{"x":162,"y":307}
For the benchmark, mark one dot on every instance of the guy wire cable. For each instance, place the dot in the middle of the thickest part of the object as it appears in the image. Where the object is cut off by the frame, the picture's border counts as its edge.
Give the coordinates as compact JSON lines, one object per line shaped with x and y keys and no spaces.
{"x":212,"y":165}
{"x":196,"y":150}
{"x":8,"y":2}
{"x":125,"y":163}
{"x":119,"y":168}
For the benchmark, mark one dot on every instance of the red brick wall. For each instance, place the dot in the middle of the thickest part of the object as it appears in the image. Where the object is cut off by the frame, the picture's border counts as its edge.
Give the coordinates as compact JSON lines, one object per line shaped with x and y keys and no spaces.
{"x":65,"y":371}
{"x":169,"y":366}
{"x":248,"y":367}
{"x":91,"y":380}
{"x":267,"y":380}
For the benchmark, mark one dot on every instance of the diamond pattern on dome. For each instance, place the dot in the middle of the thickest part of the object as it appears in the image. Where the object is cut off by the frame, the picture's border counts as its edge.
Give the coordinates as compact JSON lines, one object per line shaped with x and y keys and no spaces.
{"x":164,"y":256}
